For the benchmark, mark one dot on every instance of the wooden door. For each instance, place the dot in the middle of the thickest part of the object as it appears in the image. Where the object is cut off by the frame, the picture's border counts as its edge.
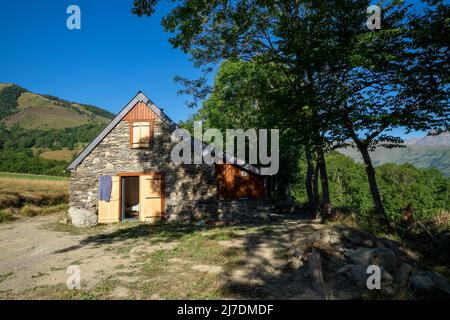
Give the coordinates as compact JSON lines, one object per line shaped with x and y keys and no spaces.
{"x":151,"y":197}
{"x":109,"y":212}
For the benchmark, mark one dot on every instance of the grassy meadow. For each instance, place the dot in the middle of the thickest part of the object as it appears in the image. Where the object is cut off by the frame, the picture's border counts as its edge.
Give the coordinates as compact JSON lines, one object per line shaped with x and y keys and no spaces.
{"x":30,"y":195}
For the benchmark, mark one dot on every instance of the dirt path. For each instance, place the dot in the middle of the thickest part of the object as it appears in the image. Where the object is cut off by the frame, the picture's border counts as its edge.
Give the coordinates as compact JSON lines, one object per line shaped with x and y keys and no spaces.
{"x":32,"y":255}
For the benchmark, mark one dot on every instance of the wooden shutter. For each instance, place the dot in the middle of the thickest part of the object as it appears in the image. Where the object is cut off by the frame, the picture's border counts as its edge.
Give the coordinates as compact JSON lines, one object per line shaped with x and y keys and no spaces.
{"x":141,"y":133}
{"x":109,"y":212}
{"x":151,"y":195}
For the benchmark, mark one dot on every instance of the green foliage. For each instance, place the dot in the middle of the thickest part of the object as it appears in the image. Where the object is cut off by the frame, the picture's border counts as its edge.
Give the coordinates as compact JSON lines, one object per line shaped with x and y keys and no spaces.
{"x":55,"y":139}
{"x":24,"y":161}
{"x":8,"y":100}
{"x":426,"y":189}
{"x":30,"y":210}
{"x":15,"y":144}
{"x":5,"y":216}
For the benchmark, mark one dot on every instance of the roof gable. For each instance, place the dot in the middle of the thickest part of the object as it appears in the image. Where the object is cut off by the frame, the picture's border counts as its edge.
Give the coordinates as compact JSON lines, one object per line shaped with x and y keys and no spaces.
{"x":140,"y":101}
{"x":140,"y":112}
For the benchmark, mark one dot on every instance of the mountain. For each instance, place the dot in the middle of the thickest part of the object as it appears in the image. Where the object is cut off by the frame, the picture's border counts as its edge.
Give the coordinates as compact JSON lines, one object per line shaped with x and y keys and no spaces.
{"x":28,"y":110}
{"x":431,"y":141}
{"x":42,"y":133}
{"x":423,"y":152}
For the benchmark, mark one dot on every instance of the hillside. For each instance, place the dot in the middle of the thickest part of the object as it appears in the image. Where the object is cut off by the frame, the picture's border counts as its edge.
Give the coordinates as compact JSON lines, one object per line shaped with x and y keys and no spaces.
{"x":42,"y":133}
{"x":424,"y":152}
{"x":35,"y":111}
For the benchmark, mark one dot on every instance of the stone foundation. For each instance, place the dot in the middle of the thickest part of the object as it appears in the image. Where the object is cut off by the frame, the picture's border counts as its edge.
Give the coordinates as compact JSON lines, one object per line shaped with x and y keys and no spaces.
{"x":244,"y":211}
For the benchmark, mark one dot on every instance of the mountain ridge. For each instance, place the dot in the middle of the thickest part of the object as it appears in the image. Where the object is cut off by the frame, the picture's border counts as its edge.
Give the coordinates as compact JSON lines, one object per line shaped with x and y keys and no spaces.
{"x":439,"y":140}
{"x":41,"y":133}
{"x":19,"y":106}
{"x":422,"y":152}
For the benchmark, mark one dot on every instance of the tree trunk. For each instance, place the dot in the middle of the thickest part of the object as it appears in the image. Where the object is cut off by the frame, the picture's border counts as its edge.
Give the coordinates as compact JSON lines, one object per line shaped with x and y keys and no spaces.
{"x":316,"y":188}
{"x":325,"y":206}
{"x":310,"y":181}
{"x":370,"y":170}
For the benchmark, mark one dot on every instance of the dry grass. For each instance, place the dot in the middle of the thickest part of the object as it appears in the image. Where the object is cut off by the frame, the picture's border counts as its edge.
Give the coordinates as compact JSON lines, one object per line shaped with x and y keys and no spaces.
{"x":440,"y":221}
{"x":65,"y":155}
{"x":19,"y":190}
{"x":38,"y":112}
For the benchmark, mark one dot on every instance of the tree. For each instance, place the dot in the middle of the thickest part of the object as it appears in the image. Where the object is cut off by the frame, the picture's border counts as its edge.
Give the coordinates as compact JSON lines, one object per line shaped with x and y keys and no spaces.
{"x":340,"y":80}
{"x":390,"y":80}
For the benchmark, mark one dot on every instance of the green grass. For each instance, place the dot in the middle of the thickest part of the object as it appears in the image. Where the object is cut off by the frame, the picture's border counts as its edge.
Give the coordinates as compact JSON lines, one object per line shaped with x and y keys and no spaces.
{"x":5,"y":216}
{"x":181,"y":281}
{"x":30,"y":176}
{"x":69,"y":228}
{"x":3,"y":276}
{"x":30,"y":210}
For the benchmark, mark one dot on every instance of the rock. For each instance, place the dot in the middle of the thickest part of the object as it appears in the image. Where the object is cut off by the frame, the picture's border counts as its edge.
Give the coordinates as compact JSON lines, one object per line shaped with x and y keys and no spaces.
{"x":295,"y":260}
{"x":358,"y":274}
{"x":315,"y":270}
{"x":201,"y":224}
{"x":64,"y":220}
{"x":335,"y":263}
{"x":404,"y":273}
{"x":294,"y":263}
{"x":82,"y":217}
{"x":330,"y":236}
{"x":439,"y":282}
{"x":384,"y":258}
{"x":359,"y":237}
{"x":345,"y":269}
{"x":361,"y":256}
{"x":381,"y":257}
{"x":422,"y":283}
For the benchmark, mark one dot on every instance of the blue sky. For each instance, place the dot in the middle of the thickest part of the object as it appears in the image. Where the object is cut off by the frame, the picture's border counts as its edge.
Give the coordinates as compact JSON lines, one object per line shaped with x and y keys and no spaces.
{"x":114,"y":55}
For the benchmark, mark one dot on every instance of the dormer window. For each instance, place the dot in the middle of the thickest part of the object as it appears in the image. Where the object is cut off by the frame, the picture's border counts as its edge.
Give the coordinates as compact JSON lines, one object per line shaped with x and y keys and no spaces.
{"x":141,"y":134}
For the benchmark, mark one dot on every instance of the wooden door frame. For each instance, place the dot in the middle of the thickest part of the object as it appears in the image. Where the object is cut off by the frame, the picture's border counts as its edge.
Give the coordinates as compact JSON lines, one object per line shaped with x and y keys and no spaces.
{"x":161,"y":174}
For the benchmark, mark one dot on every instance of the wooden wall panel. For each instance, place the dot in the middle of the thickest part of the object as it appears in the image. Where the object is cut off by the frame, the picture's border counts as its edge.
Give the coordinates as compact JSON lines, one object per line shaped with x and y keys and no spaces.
{"x":151,"y":190}
{"x":233,"y":184}
{"x":140,"y":112}
{"x":109,"y":212}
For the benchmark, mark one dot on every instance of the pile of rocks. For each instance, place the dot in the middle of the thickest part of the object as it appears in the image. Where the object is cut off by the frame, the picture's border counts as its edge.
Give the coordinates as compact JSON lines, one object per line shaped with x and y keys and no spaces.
{"x":340,"y":256}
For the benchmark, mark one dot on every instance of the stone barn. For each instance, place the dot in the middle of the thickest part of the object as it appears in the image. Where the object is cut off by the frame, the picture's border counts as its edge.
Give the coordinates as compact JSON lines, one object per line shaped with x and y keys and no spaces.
{"x":126,"y":173}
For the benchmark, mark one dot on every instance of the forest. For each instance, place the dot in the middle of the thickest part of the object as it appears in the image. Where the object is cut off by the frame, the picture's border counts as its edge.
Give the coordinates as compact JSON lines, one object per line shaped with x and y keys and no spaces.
{"x":16,"y":147}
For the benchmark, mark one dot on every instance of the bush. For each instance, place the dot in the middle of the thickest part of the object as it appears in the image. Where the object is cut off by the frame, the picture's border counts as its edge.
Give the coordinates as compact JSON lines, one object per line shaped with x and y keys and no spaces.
{"x":56,"y":208}
{"x":30,"y":210}
{"x":5,"y":216}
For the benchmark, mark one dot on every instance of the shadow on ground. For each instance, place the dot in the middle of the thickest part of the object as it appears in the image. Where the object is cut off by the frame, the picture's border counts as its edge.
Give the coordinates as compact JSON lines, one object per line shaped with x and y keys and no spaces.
{"x":262,"y":273}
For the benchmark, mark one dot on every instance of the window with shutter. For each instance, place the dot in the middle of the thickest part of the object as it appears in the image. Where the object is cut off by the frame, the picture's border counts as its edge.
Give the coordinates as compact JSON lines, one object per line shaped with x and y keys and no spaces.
{"x":141,"y":134}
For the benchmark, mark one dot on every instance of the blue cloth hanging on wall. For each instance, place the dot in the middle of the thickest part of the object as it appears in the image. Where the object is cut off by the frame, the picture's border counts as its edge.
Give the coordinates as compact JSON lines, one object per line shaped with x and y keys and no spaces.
{"x":104,"y":190}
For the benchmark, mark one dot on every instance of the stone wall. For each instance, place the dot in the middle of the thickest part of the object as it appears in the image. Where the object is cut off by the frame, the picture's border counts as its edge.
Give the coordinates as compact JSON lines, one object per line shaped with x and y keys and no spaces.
{"x":244,"y":211}
{"x":189,"y":189}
